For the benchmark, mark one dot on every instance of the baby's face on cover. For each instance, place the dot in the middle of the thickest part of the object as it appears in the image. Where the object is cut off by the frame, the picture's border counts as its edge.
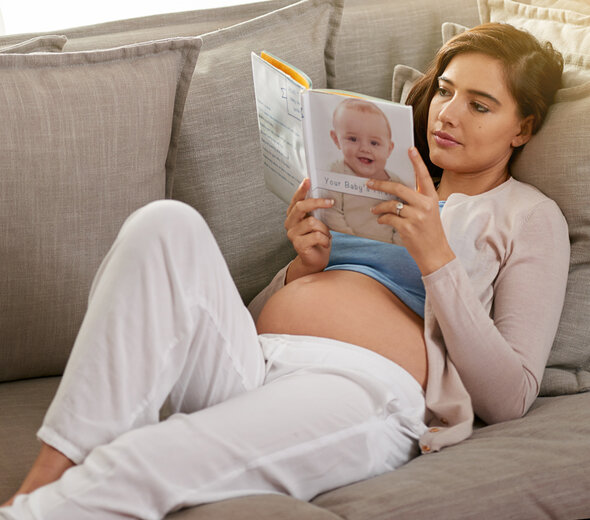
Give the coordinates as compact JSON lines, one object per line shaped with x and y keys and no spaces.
{"x":364,"y":139}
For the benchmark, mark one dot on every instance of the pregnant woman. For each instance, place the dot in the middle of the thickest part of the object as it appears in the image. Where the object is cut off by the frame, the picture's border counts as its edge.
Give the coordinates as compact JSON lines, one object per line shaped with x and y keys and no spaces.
{"x":357,"y":357}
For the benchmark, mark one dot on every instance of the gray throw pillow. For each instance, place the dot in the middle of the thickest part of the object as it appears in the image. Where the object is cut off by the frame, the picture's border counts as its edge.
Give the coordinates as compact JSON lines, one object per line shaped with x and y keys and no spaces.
{"x":219,"y":160}
{"x":86,"y":138}
{"x":378,"y":34}
{"x":219,"y":170}
{"x":48,"y":43}
{"x":156,"y":27}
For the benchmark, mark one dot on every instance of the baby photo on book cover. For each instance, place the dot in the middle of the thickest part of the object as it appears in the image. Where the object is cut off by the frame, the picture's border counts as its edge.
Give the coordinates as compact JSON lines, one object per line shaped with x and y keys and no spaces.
{"x":351,"y":140}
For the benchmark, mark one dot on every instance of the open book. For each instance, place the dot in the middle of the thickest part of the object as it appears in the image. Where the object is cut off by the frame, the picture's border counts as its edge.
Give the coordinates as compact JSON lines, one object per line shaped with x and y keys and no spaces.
{"x":338,"y":139}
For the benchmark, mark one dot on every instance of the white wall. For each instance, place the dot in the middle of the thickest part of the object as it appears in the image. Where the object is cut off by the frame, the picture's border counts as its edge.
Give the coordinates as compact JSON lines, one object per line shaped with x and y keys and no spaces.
{"x":24,"y":16}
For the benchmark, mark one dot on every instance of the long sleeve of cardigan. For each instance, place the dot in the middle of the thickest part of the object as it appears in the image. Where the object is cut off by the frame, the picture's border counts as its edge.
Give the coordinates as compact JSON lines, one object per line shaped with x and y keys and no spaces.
{"x":500,"y":355}
{"x":258,"y":302}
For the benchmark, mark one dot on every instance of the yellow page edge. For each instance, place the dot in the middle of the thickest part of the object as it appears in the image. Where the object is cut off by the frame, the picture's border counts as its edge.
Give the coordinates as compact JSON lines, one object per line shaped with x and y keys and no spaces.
{"x":294,"y":73}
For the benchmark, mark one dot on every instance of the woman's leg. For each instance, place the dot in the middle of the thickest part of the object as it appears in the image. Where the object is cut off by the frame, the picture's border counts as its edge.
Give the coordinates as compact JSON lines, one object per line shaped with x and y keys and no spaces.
{"x":317,"y":423}
{"x":164,"y":320}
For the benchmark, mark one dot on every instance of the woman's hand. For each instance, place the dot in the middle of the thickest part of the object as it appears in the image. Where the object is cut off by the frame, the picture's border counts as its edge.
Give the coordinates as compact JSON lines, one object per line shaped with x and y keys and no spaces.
{"x":418,"y":222}
{"x":310,"y":237}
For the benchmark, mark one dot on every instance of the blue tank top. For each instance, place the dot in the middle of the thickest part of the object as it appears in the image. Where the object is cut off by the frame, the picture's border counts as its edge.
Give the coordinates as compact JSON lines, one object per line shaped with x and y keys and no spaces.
{"x":389,"y":264}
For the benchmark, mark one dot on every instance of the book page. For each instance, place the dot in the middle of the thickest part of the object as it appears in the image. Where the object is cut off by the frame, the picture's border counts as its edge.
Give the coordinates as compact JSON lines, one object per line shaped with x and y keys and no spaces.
{"x":350,"y":139}
{"x":278,"y":105}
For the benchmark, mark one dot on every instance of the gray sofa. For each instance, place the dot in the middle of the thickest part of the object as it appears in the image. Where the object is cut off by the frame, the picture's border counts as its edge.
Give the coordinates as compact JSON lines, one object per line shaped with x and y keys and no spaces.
{"x":75,"y":161}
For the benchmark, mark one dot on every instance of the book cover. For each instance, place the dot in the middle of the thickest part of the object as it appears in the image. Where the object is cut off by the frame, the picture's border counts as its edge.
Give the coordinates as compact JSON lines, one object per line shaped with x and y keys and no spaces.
{"x":338,"y":139}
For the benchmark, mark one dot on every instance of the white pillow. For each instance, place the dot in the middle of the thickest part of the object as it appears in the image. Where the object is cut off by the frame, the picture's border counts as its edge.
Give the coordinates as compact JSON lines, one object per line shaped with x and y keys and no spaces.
{"x":567,"y":28}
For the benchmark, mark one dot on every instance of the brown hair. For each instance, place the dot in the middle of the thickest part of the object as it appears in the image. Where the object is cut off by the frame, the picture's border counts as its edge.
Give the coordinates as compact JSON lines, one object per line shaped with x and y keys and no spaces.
{"x":533,"y":75}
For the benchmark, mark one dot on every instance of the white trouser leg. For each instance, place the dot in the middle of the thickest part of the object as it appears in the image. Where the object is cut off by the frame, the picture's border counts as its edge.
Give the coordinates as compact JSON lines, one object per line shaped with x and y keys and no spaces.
{"x":164,"y":317}
{"x":328,"y":414}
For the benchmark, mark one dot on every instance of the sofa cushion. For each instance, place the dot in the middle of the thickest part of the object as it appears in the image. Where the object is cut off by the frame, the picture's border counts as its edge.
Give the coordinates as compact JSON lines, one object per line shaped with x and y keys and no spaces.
{"x":530,"y":468}
{"x":49,"y":43}
{"x":379,"y":34}
{"x":557,"y":162}
{"x":565,"y":26}
{"x":85,"y":139}
{"x":259,"y":507}
{"x":22,"y":407}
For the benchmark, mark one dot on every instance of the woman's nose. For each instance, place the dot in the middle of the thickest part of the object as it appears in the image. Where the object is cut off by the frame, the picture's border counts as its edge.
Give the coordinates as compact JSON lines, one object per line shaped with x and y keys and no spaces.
{"x":450,"y":112}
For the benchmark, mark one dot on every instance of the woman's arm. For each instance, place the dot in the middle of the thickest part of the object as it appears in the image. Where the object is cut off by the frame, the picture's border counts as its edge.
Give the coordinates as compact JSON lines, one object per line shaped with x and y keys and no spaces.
{"x":256,"y":305}
{"x":501,"y":358}
{"x":310,"y":238}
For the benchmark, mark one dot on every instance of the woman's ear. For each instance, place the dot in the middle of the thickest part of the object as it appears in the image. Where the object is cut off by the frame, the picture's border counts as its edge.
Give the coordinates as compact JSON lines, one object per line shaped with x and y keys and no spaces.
{"x":526,"y":132}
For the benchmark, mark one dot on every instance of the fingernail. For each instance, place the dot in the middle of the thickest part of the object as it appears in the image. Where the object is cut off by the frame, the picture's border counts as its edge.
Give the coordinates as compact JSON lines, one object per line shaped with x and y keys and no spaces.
{"x":370,"y":183}
{"x":413,"y":151}
{"x":329,"y":202}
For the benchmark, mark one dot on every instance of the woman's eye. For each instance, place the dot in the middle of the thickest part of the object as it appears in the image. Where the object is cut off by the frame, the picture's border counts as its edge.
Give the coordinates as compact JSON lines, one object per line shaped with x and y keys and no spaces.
{"x":442,"y":91}
{"x":480,"y":108}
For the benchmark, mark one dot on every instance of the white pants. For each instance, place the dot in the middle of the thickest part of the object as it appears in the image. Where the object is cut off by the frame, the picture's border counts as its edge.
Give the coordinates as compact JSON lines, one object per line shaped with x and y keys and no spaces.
{"x":252,"y":414}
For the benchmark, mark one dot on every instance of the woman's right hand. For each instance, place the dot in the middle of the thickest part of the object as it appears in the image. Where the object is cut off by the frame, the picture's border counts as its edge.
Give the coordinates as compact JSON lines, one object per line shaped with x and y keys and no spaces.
{"x":310,"y":237}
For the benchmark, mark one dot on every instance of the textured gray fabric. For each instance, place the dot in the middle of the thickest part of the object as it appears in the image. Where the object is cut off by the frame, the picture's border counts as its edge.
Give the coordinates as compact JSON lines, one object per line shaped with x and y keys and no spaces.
{"x":49,"y":43}
{"x":219,"y":170}
{"x":85,"y":139}
{"x":136,"y":30}
{"x":533,"y":468}
{"x":557,"y":161}
{"x":379,"y":34}
{"x":22,"y":407}
{"x":263,"y":507}
{"x":404,"y":78}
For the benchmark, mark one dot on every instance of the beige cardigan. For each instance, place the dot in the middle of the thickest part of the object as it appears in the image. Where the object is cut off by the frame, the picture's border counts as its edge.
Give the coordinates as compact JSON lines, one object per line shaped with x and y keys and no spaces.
{"x":492,"y":313}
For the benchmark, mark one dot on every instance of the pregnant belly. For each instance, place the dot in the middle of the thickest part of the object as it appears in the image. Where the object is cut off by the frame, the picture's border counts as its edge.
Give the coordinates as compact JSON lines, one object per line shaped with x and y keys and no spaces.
{"x":351,"y":307}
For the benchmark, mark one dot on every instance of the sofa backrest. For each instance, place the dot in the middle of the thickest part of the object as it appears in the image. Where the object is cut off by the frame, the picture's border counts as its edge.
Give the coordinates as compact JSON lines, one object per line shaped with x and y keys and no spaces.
{"x":217,"y":167}
{"x":376,"y":35}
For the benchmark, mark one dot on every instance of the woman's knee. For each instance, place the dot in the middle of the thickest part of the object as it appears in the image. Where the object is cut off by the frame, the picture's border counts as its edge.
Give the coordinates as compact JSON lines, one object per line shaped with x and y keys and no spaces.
{"x":163,"y":220}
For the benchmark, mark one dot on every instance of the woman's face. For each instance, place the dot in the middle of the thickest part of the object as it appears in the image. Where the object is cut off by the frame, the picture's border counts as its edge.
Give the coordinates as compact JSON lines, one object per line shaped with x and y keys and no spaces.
{"x":473,"y":120}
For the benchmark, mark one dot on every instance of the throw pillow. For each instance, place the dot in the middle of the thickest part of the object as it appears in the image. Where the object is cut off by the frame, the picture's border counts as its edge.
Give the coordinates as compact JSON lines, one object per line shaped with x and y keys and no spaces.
{"x":86,"y":138}
{"x":404,"y":78}
{"x":378,"y":34}
{"x":219,"y":158}
{"x":450,"y":29}
{"x":49,"y":43}
{"x":566,"y":28}
{"x":556,"y":161}
{"x":157,"y":27}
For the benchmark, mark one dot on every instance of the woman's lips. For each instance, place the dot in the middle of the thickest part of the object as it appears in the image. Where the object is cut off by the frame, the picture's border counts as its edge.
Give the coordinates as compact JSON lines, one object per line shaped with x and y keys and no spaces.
{"x":445,"y":140}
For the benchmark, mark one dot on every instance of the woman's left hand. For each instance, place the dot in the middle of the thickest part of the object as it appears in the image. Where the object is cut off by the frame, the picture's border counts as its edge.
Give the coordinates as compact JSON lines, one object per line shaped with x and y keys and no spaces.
{"x":418,"y":222}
